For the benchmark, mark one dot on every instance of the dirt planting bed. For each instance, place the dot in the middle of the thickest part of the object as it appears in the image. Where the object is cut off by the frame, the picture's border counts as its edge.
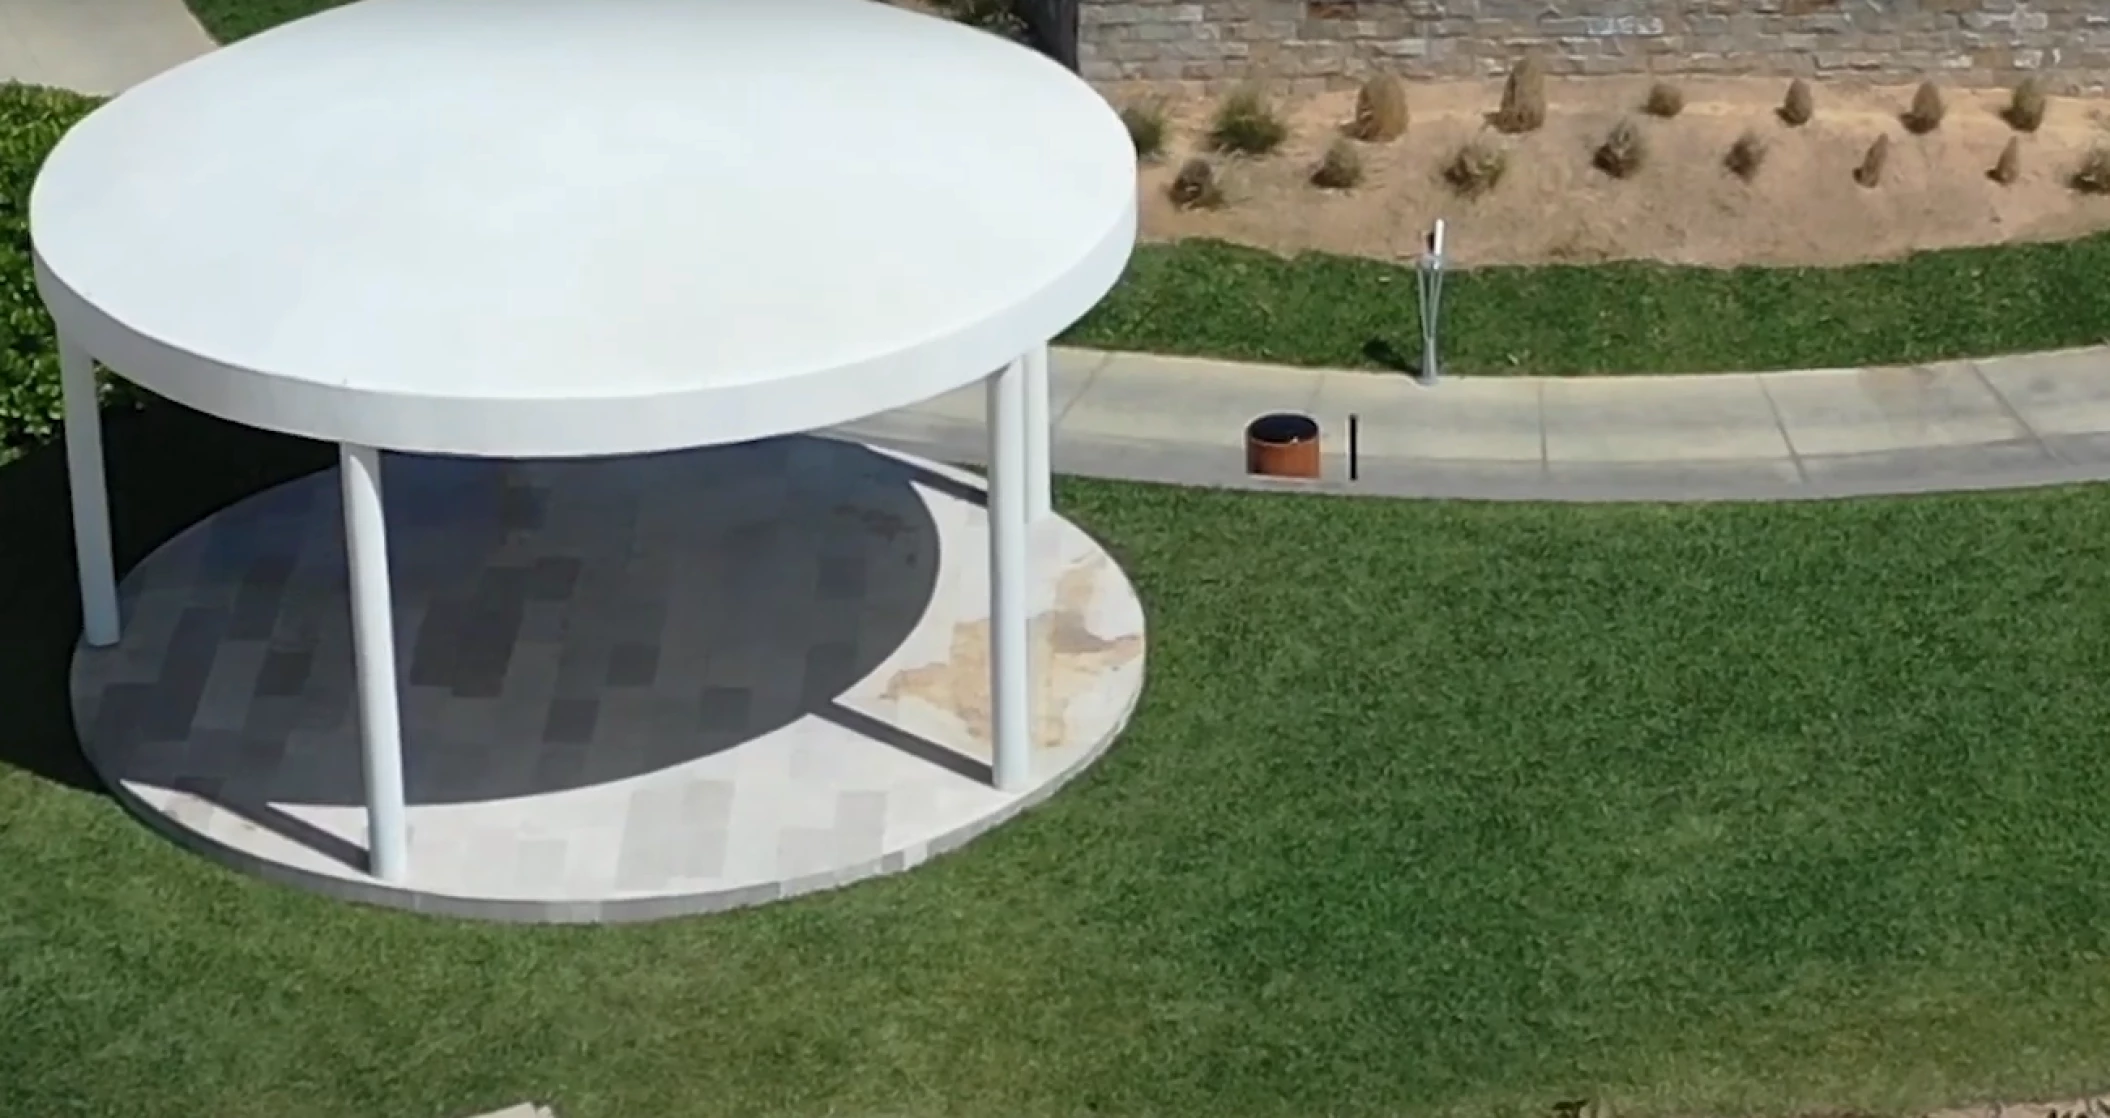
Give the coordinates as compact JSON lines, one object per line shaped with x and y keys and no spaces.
{"x":1790,"y":194}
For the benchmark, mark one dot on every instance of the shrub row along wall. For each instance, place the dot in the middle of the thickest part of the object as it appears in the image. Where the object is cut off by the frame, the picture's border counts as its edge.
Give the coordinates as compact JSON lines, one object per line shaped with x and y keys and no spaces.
{"x":1310,"y":44}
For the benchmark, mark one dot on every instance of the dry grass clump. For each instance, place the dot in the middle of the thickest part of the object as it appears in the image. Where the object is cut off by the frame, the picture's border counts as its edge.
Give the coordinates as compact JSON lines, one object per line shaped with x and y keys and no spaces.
{"x":1926,"y":112}
{"x":1523,"y":98}
{"x":1746,"y":156}
{"x":1146,"y":127}
{"x":2093,"y":174}
{"x":1247,"y":124}
{"x":1380,"y":110}
{"x":1870,"y":172}
{"x":1195,"y":187}
{"x":2026,"y":105}
{"x":1623,"y":152}
{"x":2008,"y":167}
{"x":1664,"y":101}
{"x":1475,"y":168}
{"x":1340,"y":168}
{"x":1800,"y":105}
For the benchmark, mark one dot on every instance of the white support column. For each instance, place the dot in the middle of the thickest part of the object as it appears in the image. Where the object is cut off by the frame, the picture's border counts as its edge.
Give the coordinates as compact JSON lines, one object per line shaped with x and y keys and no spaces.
{"x":1040,"y":423}
{"x":374,"y":663}
{"x":1010,"y":485}
{"x":86,"y":479}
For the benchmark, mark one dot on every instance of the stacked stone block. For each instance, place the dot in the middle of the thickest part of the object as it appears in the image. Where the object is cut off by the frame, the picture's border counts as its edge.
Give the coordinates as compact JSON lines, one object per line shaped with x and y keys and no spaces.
{"x":1315,"y":44}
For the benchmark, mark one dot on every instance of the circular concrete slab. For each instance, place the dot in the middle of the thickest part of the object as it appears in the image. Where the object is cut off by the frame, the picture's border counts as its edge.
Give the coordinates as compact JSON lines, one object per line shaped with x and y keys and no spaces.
{"x":632,"y":688}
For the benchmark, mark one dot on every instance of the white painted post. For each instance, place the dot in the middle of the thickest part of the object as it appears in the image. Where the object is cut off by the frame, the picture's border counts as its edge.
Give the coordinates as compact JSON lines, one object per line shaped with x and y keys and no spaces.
{"x":86,"y":478}
{"x":374,"y":663}
{"x":1010,"y":671}
{"x":1040,"y":478}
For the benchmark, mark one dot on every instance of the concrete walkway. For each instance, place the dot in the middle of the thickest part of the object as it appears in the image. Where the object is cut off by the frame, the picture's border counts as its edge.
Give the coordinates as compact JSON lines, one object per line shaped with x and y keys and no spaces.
{"x":1994,"y":423}
{"x":95,"y":46}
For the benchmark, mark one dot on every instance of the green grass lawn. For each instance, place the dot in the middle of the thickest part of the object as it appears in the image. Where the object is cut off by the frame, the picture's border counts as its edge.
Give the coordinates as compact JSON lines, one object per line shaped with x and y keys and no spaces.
{"x":1430,"y":809}
{"x":1220,"y":300}
{"x":228,"y":20}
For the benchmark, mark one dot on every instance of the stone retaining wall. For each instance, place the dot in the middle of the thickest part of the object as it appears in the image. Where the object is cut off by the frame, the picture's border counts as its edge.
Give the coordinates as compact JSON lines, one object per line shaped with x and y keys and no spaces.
{"x":1308,"y":44}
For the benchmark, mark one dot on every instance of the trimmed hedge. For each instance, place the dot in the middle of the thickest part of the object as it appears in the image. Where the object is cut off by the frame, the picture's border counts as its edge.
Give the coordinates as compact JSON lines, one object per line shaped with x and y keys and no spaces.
{"x":32,"y":119}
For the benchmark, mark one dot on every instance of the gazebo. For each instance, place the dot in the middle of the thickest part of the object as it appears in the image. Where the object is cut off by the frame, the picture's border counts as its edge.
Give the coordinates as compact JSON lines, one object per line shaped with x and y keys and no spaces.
{"x":436,"y":230}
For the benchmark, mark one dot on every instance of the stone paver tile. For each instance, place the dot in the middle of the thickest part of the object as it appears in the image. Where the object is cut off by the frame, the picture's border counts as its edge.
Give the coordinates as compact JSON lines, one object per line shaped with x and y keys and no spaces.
{"x":1069,"y":371}
{"x":1470,"y":419}
{"x":860,"y":826}
{"x":540,"y":865}
{"x":1715,"y":417}
{"x":1859,"y":411}
{"x":233,"y":678}
{"x":593,"y":852}
{"x":2066,"y":393}
{"x":1182,"y":400}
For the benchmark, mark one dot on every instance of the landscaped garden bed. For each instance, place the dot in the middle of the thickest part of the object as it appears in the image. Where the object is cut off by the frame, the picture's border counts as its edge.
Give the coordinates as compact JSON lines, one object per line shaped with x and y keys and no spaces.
{"x":1617,"y":226}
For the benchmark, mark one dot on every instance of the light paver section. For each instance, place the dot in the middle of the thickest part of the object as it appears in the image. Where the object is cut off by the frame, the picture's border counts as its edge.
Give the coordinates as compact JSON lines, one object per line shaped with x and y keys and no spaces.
{"x":1069,"y":373}
{"x":1859,"y":411}
{"x":1138,"y":397}
{"x":2028,"y":420}
{"x":1702,"y":418}
{"x":2061,"y":393}
{"x":95,"y":46}
{"x":631,"y":687}
{"x":1483,"y":419}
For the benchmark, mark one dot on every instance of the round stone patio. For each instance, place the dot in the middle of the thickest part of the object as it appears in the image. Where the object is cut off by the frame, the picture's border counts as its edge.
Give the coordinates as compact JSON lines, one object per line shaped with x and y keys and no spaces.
{"x":631,"y":688}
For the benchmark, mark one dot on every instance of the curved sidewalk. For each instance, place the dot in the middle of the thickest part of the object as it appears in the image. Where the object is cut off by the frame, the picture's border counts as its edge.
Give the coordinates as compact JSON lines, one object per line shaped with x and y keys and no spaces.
{"x":2006,"y":422}
{"x":95,"y":46}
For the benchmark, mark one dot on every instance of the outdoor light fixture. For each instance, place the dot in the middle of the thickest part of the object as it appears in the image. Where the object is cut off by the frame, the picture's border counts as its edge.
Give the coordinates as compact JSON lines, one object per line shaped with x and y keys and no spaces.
{"x":1428,"y":278}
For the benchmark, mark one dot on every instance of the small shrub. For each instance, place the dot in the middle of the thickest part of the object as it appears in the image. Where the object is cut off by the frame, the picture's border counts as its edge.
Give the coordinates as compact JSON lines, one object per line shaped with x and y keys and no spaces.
{"x":1340,"y":169}
{"x":1246,"y":124}
{"x":1870,"y":172}
{"x":31,"y":406}
{"x":1523,"y":98}
{"x":2008,"y":167}
{"x":1926,"y":112}
{"x":1380,"y":110}
{"x":1746,"y":156}
{"x":1664,"y":100}
{"x":1622,"y":153}
{"x":1146,"y":127}
{"x":2093,"y":174}
{"x":1800,"y":106}
{"x":2026,"y":105}
{"x":1195,"y":187}
{"x":1475,"y":168}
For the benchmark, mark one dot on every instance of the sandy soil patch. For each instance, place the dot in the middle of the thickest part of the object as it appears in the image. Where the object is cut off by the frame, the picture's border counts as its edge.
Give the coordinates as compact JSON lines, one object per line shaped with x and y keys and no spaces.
{"x":1803,"y":206}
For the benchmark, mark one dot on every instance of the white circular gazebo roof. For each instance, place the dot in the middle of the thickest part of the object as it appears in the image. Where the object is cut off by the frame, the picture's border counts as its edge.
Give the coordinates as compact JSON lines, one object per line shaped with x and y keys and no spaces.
{"x":566,"y":227}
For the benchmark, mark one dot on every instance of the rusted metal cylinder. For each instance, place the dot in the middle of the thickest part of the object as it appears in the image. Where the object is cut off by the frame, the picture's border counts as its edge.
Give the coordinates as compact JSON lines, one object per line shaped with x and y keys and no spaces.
{"x":1283,"y":444}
